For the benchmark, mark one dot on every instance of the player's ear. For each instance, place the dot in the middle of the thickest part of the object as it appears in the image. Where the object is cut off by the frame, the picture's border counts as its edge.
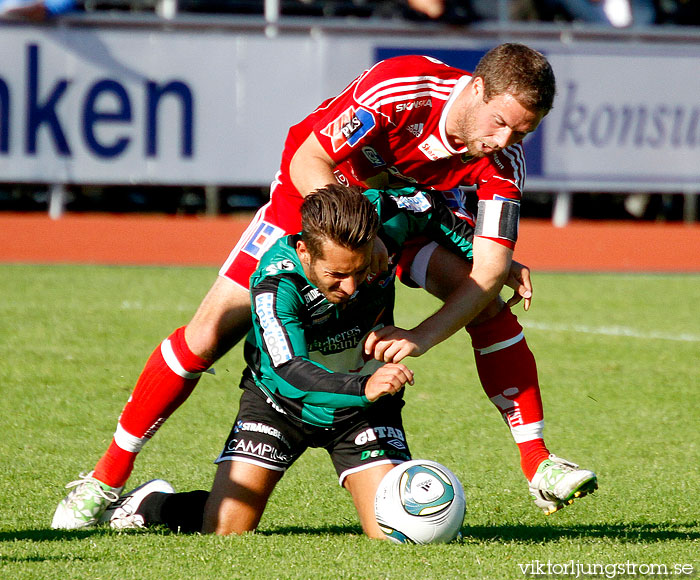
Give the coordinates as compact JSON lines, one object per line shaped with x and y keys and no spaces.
{"x":477,"y":87}
{"x":303,"y":252}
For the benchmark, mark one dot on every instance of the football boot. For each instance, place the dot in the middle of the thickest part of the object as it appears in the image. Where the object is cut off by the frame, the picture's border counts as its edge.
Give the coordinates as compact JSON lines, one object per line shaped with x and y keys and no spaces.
{"x":558,"y":482}
{"x":84,"y":505}
{"x":124,"y":513}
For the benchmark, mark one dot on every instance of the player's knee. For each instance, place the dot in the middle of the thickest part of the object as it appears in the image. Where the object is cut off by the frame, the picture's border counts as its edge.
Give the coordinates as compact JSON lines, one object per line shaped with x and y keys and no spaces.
{"x":218,"y":325}
{"x":202,"y":339}
{"x":226,"y":519}
{"x":375,"y":534}
{"x":491,"y":310}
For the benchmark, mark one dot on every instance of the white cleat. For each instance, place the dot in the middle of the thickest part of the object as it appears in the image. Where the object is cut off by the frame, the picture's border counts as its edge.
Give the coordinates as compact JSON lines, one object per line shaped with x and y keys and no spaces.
{"x":124,"y":513}
{"x":559,"y":482}
{"x":84,"y":505}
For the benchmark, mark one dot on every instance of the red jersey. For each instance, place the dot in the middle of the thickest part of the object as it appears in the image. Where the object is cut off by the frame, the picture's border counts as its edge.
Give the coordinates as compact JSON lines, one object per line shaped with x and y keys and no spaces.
{"x":387,"y":129}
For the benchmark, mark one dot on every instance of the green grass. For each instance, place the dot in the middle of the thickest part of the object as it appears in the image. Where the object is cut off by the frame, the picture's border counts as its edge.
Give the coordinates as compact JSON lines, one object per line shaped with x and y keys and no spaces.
{"x":619,"y":360}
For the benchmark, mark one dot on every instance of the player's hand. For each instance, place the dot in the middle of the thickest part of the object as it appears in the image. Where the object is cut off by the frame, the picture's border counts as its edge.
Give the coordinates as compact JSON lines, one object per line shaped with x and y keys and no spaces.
{"x":391,"y":344}
{"x":519,"y":281}
{"x":387,"y":380}
{"x":380,"y":257}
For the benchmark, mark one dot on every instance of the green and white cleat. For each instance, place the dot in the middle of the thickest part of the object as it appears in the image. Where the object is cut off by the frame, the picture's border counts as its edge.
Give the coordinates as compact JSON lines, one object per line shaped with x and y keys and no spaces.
{"x":84,"y":505}
{"x":559,"y":482}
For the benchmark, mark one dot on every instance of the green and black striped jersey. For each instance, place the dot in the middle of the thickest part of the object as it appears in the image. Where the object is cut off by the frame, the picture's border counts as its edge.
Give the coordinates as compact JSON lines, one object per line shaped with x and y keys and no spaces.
{"x":305,"y":353}
{"x":409,"y":212}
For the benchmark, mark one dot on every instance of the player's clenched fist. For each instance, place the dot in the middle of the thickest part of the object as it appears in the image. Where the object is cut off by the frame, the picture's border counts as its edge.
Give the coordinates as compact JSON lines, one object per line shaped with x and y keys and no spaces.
{"x":388,"y":380}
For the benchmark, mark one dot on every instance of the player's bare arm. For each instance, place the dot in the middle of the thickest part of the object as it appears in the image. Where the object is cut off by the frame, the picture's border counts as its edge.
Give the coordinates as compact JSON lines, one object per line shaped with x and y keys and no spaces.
{"x":489,"y":273}
{"x":391,"y":343}
{"x":491,"y":269}
{"x":311,"y":167}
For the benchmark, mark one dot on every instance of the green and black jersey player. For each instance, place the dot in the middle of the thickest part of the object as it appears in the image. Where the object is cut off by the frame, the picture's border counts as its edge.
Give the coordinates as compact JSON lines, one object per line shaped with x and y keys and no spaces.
{"x":307,"y":375}
{"x":306,"y":353}
{"x":308,"y":382}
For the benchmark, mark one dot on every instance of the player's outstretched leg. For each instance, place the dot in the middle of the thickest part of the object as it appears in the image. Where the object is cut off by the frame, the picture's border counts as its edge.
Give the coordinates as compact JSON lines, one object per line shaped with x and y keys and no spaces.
{"x":558,"y":482}
{"x":167,"y":380}
{"x":170,"y":375}
{"x":506,"y":366}
{"x":508,"y":374}
{"x":84,"y":505}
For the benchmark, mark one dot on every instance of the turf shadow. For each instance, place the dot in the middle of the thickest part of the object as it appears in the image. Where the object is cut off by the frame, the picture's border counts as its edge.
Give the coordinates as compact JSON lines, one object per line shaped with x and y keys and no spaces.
{"x":625,"y":532}
{"x":49,"y":535}
{"x":6,"y":560}
{"x":312,"y":531}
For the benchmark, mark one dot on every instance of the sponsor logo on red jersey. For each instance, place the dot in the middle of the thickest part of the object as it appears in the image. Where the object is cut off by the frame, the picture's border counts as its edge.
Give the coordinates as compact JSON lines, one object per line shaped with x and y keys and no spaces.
{"x":351,"y":126}
{"x":433,"y":149}
{"x":373,"y":157}
{"x":414,"y":105}
{"x":261,"y":239}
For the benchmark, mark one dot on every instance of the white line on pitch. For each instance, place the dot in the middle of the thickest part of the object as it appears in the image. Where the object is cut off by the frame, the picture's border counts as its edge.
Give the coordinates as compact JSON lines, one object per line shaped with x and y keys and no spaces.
{"x":612,"y":331}
{"x":137,"y":305}
{"x":580,"y":328}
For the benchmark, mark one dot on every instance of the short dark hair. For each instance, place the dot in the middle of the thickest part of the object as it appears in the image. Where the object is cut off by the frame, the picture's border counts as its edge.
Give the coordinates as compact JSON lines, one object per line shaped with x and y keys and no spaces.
{"x":340,"y":214}
{"x":520,"y":71}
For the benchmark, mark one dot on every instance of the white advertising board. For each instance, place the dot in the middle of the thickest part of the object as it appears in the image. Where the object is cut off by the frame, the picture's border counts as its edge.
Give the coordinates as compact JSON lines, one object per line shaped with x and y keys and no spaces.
{"x":195,"y":106}
{"x":625,"y":117}
{"x":121,"y":106}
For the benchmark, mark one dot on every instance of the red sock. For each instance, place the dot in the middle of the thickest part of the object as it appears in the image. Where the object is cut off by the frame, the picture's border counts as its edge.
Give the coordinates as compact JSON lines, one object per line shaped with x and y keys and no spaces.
{"x":508,"y":374}
{"x":170,"y":375}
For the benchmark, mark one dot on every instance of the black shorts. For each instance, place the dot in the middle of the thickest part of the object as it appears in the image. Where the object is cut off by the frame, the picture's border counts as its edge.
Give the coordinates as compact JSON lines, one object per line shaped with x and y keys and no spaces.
{"x":264,"y":436}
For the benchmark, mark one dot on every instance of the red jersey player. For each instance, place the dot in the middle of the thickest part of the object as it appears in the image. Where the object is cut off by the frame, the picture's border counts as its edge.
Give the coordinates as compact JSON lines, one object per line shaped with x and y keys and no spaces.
{"x":387,"y":129}
{"x":406,"y":120}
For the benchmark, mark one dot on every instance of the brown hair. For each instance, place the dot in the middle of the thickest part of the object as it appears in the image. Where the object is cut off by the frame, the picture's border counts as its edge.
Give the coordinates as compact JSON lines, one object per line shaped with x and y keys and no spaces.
{"x":339,"y":214}
{"x":518,"y":70}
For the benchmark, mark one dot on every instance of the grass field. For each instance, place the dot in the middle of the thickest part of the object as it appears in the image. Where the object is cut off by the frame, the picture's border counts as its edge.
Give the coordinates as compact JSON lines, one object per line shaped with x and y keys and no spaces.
{"x":619,"y":363}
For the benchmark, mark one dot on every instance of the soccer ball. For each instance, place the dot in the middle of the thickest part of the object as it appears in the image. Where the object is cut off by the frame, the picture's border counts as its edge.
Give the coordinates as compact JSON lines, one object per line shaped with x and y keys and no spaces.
{"x":420,"y":502}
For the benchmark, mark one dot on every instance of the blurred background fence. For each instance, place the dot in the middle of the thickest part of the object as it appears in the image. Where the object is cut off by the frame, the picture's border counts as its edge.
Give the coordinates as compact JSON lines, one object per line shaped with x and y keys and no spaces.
{"x":182,"y":106}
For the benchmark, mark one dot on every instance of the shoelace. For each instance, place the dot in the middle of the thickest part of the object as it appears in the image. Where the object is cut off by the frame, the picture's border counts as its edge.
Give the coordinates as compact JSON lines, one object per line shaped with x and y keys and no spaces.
{"x":126,"y":518}
{"x":86,"y":478}
{"x":563,"y":463}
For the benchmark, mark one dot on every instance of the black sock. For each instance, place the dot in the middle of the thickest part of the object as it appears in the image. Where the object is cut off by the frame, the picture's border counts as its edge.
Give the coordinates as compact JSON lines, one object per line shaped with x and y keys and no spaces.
{"x":180,"y":512}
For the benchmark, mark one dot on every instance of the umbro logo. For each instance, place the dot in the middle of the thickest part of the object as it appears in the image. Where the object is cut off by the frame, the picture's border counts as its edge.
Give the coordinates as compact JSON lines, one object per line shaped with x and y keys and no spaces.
{"x":397,"y":443}
{"x":416,"y":129}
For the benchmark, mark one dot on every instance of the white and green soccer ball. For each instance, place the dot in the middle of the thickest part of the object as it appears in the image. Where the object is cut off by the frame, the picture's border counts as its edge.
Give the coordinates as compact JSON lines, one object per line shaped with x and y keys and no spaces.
{"x":420,"y":502}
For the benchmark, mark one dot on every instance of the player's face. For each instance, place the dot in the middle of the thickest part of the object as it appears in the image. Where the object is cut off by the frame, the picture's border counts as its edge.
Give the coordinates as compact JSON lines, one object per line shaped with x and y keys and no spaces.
{"x":339,"y":271}
{"x":489,"y":127}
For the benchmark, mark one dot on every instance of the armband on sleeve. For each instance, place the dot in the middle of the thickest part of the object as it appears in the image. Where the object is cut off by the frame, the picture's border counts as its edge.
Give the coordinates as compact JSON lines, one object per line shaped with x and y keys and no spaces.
{"x":498,"y":219}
